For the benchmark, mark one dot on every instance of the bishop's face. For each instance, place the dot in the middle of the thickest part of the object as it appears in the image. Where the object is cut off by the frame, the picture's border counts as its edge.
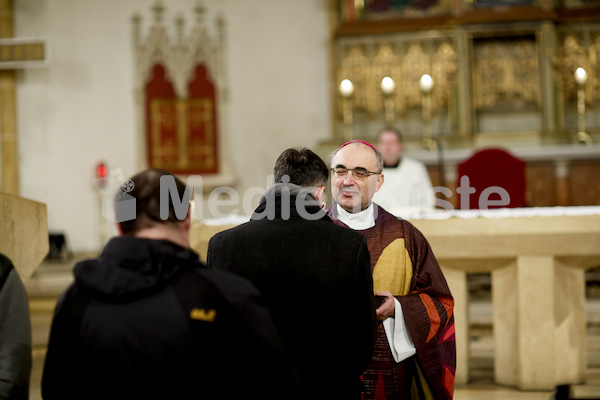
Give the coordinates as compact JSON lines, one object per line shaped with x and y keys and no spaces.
{"x":351,"y":193}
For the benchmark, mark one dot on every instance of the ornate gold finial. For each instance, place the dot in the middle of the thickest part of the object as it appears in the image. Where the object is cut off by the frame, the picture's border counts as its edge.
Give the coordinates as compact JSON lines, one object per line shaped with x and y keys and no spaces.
{"x":158,"y":10}
{"x":179,"y":22}
{"x":200,"y":10}
{"x":221,"y":29}
{"x":136,"y":20}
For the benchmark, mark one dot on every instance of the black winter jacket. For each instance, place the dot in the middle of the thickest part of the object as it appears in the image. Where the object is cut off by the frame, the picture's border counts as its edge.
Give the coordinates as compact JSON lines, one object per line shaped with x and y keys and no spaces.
{"x":146,"y":320}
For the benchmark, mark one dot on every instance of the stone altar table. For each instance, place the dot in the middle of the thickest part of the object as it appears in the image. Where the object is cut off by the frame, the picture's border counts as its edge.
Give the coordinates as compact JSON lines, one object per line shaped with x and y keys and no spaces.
{"x":537,"y":258}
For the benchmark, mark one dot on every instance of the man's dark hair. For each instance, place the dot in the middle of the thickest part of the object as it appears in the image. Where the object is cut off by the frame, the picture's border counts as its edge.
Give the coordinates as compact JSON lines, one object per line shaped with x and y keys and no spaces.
{"x":392,"y":129}
{"x":146,"y":191}
{"x":302,"y":166}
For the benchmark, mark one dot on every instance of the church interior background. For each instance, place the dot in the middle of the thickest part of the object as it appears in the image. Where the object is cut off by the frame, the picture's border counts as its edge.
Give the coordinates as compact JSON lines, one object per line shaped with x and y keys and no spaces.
{"x":219,"y":88}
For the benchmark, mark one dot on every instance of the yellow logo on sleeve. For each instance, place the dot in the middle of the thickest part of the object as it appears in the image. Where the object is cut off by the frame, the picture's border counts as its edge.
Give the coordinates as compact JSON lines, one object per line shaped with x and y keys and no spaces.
{"x":203,"y":314}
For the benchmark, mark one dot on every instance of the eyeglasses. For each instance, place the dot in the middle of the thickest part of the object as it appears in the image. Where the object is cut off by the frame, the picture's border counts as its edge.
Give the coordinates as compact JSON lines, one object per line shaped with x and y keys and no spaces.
{"x":358,"y":172}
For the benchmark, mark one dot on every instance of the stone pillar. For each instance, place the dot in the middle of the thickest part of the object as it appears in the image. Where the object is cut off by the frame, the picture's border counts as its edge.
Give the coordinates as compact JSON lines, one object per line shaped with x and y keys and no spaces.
{"x":504,"y":301}
{"x":457,"y":282}
{"x":536,"y":356}
{"x":539,"y":323}
{"x":570,"y":324}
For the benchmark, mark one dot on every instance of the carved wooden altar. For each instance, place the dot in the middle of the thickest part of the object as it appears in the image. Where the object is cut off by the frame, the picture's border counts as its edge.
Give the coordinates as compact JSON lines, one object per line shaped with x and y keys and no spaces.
{"x":503,"y":71}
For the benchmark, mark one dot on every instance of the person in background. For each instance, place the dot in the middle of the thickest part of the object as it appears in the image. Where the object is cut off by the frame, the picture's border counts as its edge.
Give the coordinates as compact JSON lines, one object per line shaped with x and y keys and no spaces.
{"x":415,"y":353}
{"x":407,"y":185}
{"x":15,"y":334}
{"x":315,"y":277}
{"x":146,"y":320}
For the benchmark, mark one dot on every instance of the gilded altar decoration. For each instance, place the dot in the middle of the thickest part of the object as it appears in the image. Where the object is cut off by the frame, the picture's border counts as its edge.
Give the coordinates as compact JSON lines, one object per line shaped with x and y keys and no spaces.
{"x":577,"y":77}
{"x":444,"y":68}
{"x":488,"y":64}
{"x":404,"y":60}
{"x":506,"y":74}
{"x":594,"y":68}
{"x":578,"y":47}
{"x":571,"y":55}
{"x":355,"y":68}
{"x":414,"y":64}
{"x":385,"y":64}
{"x":178,"y":86}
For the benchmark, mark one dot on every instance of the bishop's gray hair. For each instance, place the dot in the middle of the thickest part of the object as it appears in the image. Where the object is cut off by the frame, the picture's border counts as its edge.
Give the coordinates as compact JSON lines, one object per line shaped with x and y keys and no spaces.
{"x":378,"y":156}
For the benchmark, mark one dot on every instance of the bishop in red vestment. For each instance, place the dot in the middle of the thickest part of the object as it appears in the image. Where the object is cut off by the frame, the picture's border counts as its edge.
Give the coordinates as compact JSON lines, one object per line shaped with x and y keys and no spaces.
{"x":415,"y":354}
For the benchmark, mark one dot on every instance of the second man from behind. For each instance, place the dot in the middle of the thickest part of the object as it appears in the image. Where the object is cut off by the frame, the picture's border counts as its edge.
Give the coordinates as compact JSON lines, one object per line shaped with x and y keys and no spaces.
{"x":315,"y":277}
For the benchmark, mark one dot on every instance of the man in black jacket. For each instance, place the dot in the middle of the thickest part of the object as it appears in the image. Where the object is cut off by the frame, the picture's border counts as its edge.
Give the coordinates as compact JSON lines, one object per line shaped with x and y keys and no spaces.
{"x":314,"y":276}
{"x":146,"y":320}
{"x":15,"y":334}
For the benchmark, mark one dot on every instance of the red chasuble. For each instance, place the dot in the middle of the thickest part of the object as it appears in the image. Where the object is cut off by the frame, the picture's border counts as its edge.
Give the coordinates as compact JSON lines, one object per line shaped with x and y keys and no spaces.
{"x":403,"y":263}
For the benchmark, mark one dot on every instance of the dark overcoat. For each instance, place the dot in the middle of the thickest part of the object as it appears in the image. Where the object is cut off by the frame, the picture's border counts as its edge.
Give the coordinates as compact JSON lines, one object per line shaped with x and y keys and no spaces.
{"x":316,"y":280}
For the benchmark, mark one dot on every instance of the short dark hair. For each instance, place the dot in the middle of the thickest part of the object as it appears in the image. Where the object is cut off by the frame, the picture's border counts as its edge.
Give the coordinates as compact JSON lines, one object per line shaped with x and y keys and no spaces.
{"x":392,"y":129}
{"x":302,"y":166}
{"x":146,"y":191}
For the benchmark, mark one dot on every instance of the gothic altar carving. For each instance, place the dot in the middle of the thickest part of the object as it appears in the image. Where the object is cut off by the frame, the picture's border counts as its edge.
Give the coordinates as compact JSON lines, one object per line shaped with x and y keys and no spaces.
{"x":180,"y":90}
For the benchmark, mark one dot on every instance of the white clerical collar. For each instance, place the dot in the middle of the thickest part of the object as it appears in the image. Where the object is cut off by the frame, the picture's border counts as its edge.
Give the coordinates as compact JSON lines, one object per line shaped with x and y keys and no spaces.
{"x":358,"y":221}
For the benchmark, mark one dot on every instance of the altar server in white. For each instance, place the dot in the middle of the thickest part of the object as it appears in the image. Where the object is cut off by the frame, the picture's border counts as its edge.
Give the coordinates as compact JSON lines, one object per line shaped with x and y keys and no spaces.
{"x":407,"y":187}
